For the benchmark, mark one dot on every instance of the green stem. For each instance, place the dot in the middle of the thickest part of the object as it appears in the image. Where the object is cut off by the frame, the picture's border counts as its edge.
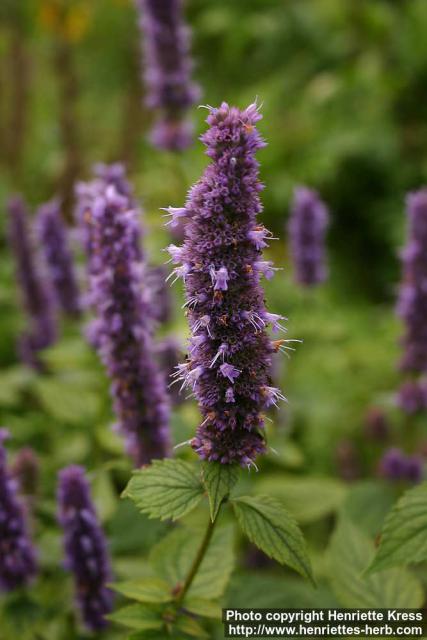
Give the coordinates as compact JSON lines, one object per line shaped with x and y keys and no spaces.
{"x":197,"y":561}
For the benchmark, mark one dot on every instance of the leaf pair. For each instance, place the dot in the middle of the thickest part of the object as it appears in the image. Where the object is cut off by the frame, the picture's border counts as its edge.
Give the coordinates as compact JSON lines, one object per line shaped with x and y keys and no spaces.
{"x":170,"y":489}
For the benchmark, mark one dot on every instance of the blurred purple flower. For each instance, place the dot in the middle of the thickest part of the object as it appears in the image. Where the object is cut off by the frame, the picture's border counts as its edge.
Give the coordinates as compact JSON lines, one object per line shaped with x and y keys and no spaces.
{"x":26,"y":470}
{"x":85,"y":548}
{"x":17,"y":556}
{"x":168,"y":68}
{"x":228,"y":367}
{"x":54,"y":243}
{"x":307,"y":228}
{"x":169,"y":352}
{"x":36,"y":293}
{"x":412,"y":396}
{"x":124,"y":329}
{"x":377,"y":426}
{"x":159,"y":296}
{"x":412,"y":303}
{"x":348,"y":461}
{"x":395,"y":465}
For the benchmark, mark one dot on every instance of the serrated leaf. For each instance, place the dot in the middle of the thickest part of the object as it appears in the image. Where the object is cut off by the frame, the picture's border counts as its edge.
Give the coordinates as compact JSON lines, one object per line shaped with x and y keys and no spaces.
{"x":146,"y":590}
{"x":349,"y":553}
{"x":307,"y":498}
{"x":272,"y":529}
{"x":404,"y":535}
{"x":219,"y":479}
{"x":166,"y":489}
{"x":204,"y":608}
{"x":173,"y":556}
{"x":191,"y":627}
{"x":138,"y":616}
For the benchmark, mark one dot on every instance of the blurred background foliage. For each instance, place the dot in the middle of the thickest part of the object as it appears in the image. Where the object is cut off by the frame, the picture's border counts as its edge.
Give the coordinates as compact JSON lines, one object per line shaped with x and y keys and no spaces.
{"x":343,"y":85}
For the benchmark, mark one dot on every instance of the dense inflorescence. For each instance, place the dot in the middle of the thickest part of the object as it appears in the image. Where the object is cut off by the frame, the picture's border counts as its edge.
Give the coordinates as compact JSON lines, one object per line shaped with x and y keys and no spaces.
{"x":17,"y":556}
{"x":85,"y":547}
{"x":36,"y":293}
{"x":54,"y":243}
{"x":168,"y":67}
{"x":124,"y":329}
{"x":307,"y":228}
{"x":412,"y":304}
{"x":395,"y":465}
{"x":229,"y":361}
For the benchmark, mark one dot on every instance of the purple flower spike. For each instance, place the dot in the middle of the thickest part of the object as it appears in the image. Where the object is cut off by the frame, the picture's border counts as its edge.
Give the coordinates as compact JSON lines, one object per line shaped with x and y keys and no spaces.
{"x":37,"y":295}
{"x":85,"y":548}
{"x":168,"y":68}
{"x":123,"y":330}
{"x":412,"y":303}
{"x":17,"y":556}
{"x":307,"y":229}
{"x":54,"y":242}
{"x":230,"y":355}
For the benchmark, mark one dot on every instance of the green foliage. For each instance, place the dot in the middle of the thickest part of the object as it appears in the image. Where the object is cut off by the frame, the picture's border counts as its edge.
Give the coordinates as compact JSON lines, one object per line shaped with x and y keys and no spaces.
{"x":404,"y":535}
{"x":166,"y":489}
{"x":349,"y":554}
{"x":173,"y":556}
{"x":307,"y":498}
{"x":219,"y":480}
{"x":146,"y":590}
{"x":270,"y":527}
{"x":138,"y":616}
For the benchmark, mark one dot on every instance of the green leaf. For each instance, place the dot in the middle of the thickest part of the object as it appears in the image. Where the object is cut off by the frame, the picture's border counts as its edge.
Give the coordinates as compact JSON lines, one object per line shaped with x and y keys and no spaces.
{"x":166,"y":489}
{"x":146,"y":590}
{"x":173,"y":556}
{"x":404,"y":535}
{"x":271,"y":528}
{"x":349,"y":553}
{"x":191,"y":627}
{"x":308,"y":499}
{"x":68,"y":399}
{"x":204,"y":608}
{"x":367,"y":503}
{"x":219,"y":479}
{"x":138,"y":616}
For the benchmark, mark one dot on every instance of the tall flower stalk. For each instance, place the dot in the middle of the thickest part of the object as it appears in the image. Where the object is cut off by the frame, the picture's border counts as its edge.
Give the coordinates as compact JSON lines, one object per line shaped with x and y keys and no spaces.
{"x":168,"y":67}
{"x":229,"y":361}
{"x":124,"y":338}
{"x":54,"y":243}
{"x":85,"y":548}
{"x":36,"y":293}
{"x":307,"y":228}
{"x":18,"y":564}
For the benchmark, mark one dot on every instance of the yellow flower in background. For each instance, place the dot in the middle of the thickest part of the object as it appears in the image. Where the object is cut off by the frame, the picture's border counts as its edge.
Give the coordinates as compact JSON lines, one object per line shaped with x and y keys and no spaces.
{"x":67,"y":21}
